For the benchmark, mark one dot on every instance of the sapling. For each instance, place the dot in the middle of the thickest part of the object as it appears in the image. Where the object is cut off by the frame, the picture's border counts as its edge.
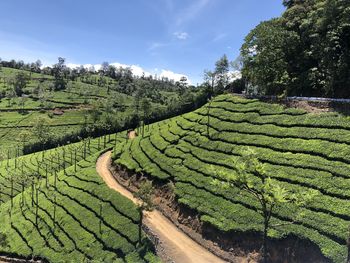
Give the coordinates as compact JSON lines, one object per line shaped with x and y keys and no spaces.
{"x":250,"y":176}
{"x":144,"y":193}
{"x":208,"y":116}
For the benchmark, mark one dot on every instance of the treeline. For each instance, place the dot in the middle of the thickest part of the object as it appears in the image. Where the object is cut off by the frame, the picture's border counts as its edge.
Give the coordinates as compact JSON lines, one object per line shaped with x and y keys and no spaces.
{"x":120,"y":79}
{"x":137,"y":120}
{"x":305,"y":52}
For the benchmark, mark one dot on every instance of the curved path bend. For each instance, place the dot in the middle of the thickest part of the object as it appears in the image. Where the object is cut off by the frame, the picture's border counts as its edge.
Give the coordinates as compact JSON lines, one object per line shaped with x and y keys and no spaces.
{"x":176,"y":244}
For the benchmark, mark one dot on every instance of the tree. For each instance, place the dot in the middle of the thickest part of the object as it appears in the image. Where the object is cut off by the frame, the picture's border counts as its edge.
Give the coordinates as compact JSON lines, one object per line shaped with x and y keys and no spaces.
{"x":250,"y":176}
{"x":38,"y":65}
{"x":305,"y":52}
{"x":147,"y":109}
{"x":20,"y":83}
{"x":10,"y":95}
{"x":58,"y":72}
{"x":24,"y":135}
{"x":144,"y":193}
{"x":348,"y":244}
{"x":208,"y":116}
{"x":22,"y":101}
{"x":209,"y":79}
{"x":104,"y":68}
{"x":265,"y":53}
{"x":218,"y":79}
{"x":222,"y":73}
{"x":41,"y":130}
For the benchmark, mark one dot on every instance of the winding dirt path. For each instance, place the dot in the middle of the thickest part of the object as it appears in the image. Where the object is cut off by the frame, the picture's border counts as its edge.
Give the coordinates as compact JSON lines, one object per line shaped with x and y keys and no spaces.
{"x":177,"y":245}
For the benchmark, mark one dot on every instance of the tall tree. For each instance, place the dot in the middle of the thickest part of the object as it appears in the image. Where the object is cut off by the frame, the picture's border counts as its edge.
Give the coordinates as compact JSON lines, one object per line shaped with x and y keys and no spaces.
{"x":222,"y":73}
{"x":20,"y":83}
{"x":304,"y":52}
{"x":58,"y":71}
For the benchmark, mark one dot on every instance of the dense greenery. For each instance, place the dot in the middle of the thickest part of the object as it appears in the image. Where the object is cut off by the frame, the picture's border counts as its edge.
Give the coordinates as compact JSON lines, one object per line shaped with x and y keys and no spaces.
{"x":54,"y":206}
{"x":300,"y":152}
{"x":305,"y":52}
{"x":65,"y":104}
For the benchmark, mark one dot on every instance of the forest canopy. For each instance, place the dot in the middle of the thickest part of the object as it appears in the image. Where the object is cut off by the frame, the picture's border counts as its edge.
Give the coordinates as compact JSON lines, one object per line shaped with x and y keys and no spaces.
{"x":305,"y":52}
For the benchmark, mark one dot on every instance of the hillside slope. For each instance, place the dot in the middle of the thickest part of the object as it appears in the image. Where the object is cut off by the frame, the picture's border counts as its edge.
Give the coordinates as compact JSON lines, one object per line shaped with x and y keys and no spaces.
{"x":301,"y":151}
{"x":86,"y":106}
{"x":54,"y":206}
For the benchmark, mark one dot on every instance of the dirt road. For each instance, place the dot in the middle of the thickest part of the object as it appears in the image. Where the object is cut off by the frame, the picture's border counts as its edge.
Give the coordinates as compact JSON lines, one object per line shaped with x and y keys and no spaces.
{"x":177,"y":245}
{"x":132,"y":134}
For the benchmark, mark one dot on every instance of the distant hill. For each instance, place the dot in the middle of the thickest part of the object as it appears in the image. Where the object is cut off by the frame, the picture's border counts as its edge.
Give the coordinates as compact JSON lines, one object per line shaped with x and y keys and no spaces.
{"x":89,"y":104}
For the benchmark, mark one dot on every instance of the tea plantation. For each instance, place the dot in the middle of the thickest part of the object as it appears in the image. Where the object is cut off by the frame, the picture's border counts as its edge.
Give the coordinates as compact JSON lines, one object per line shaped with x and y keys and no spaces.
{"x":300,"y":151}
{"x":55,"y":207}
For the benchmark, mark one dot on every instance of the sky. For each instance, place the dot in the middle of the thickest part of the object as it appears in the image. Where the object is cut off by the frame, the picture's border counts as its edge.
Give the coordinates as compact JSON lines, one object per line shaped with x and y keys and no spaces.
{"x":164,"y":37}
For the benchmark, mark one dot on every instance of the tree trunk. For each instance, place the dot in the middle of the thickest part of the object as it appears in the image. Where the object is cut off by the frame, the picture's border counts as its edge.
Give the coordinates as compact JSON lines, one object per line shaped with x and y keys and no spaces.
{"x":37,"y":206}
{"x":348,"y":243}
{"x":140,"y":224}
{"x":264,"y":244}
{"x":54,"y":214}
{"x":55,"y":179}
{"x":100,"y":219}
{"x":32,"y":192}
{"x":46,"y":177}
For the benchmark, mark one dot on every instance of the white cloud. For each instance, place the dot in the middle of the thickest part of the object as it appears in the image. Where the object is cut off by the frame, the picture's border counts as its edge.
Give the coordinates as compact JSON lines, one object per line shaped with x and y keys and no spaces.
{"x":137,"y":70}
{"x":236,"y":74}
{"x":172,"y":75}
{"x":181,"y":35}
{"x":72,"y":65}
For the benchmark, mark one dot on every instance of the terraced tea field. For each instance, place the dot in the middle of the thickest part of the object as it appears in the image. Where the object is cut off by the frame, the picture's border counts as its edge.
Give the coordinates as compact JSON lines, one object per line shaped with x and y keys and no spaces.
{"x":301,"y":151}
{"x":54,"y":206}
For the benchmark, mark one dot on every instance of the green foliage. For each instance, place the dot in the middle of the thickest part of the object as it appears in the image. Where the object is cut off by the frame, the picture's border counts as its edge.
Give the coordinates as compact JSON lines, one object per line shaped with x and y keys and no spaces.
{"x":250,"y":176}
{"x":85,"y":107}
{"x":300,"y":154}
{"x":304,"y":52}
{"x":75,"y":216}
{"x":145,"y":193}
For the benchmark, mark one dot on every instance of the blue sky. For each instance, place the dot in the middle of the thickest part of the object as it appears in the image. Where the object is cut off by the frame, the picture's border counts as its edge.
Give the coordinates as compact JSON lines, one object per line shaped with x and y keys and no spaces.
{"x":181,"y":36}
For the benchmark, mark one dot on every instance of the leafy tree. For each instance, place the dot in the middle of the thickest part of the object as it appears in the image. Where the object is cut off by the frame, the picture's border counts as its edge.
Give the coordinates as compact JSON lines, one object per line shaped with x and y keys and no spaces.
{"x":304,"y":52}
{"x":38,"y":65}
{"x":250,"y":177}
{"x":20,"y":82}
{"x":144,"y":193}
{"x":41,"y":130}
{"x":264,"y":55}
{"x":24,"y":135}
{"x":147,"y":109}
{"x":58,"y":71}
{"x":10,"y":95}
{"x":222,"y":73}
{"x":22,"y":102}
{"x":218,"y":79}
